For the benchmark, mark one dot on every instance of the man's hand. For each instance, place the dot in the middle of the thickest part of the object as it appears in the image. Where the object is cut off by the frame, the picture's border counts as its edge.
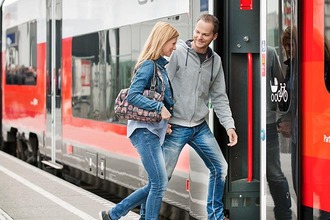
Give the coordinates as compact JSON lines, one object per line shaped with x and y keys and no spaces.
{"x":233,"y":138}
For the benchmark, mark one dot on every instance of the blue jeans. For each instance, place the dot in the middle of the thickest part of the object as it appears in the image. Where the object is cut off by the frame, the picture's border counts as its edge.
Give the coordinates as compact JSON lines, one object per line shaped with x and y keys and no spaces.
{"x":149,"y":148}
{"x":278,"y":184}
{"x":202,"y":140}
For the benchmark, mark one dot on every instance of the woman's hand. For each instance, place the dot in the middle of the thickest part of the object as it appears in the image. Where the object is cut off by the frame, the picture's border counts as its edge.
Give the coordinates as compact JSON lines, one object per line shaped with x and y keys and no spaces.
{"x":169,"y":129}
{"x":165,"y":113}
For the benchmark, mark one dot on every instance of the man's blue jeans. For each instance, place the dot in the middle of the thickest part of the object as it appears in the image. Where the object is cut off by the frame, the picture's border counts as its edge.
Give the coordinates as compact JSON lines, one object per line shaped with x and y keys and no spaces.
{"x":202,"y":140}
{"x":149,"y":148}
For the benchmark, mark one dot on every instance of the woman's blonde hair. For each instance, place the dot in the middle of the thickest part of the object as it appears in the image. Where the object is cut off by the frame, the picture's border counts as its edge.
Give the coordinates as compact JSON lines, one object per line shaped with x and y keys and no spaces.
{"x":159,"y":35}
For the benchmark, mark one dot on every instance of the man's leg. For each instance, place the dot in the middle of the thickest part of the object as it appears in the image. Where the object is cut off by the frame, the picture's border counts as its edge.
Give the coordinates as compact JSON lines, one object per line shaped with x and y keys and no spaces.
{"x":206,"y":146}
{"x":173,"y":146}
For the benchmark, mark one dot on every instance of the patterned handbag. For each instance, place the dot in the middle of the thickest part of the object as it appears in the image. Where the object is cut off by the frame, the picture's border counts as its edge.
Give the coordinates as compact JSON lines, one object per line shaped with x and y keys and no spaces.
{"x":124,"y":110}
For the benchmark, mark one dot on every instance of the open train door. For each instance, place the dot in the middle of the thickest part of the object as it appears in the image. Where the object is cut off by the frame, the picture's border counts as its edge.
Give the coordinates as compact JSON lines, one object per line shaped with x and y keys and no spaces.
{"x":241,"y":63}
{"x":260,"y":178}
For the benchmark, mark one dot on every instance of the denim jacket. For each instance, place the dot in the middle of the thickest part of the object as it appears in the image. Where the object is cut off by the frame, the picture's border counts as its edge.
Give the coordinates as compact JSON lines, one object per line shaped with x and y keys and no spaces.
{"x":142,"y":81}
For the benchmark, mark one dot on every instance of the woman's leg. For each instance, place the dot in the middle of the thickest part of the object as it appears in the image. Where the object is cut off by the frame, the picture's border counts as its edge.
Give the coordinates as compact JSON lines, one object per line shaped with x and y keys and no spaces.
{"x":149,"y":148}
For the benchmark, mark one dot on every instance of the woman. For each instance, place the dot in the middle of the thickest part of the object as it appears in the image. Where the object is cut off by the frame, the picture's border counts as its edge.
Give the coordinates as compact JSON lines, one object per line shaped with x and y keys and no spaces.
{"x":147,"y":137}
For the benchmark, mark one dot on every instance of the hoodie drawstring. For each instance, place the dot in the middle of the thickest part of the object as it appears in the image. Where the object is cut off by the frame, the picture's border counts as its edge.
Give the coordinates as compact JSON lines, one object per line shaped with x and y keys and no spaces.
{"x":186,"y":63}
{"x":212,"y":68}
{"x":187,"y":56}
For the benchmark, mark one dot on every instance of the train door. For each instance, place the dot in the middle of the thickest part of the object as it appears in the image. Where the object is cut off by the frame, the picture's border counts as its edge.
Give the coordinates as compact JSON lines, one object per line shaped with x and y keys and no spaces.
{"x":240,"y":52}
{"x":54,"y":82}
{"x":263,"y":167}
{"x":282,"y":138}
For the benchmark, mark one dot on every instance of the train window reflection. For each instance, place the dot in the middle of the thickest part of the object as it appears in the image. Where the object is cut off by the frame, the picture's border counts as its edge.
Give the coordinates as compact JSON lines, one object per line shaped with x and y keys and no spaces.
{"x":85,"y":50}
{"x":21,"y":53}
{"x":101,"y":66}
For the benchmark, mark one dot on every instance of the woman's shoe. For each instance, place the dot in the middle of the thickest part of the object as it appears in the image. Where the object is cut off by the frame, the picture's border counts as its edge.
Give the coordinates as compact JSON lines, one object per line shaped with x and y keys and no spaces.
{"x":104,"y":215}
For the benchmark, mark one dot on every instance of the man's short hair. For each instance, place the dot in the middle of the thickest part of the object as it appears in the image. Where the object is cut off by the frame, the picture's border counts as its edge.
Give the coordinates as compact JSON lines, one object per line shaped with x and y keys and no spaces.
{"x":212,"y":19}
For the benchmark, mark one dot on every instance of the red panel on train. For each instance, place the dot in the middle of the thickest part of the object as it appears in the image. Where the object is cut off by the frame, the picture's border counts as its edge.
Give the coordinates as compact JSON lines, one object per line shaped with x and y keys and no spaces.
{"x":315,"y":110}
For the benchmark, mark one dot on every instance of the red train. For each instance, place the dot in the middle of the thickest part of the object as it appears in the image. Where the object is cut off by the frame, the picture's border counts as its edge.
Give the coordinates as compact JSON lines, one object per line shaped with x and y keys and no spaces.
{"x":64,"y":62}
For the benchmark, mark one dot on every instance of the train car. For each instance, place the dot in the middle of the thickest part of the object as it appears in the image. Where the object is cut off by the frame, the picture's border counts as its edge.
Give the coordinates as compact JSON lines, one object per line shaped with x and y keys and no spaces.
{"x":64,"y":62}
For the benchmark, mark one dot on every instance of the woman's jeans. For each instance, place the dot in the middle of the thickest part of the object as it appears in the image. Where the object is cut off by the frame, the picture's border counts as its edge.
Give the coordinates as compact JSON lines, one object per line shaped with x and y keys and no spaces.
{"x":202,"y":140}
{"x":149,"y":148}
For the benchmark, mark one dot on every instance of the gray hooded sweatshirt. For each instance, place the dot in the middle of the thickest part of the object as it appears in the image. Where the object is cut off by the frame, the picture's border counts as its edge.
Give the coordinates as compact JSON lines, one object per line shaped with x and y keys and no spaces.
{"x":194,"y":83}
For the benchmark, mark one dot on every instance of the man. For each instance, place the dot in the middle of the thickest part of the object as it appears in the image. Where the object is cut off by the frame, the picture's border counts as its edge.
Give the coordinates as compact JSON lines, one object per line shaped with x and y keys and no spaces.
{"x":196,"y":74}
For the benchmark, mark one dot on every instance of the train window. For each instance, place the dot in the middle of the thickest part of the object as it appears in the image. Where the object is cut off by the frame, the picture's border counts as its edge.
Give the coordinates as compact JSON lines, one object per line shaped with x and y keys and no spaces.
{"x":326,"y":45}
{"x":21,"y":53}
{"x":102,"y":66}
{"x":85,"y":60}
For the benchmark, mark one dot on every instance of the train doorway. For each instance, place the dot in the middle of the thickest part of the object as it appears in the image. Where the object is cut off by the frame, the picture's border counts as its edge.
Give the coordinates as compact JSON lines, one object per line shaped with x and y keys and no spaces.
{"x":263,"y":167}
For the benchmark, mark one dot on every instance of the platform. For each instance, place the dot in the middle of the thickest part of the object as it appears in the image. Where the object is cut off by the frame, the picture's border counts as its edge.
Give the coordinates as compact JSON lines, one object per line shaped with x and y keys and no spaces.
{"x":27,"y":192}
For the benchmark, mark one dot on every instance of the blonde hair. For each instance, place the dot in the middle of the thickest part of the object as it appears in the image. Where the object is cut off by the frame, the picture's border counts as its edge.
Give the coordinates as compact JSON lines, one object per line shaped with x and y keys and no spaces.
{"x":159,"y":35}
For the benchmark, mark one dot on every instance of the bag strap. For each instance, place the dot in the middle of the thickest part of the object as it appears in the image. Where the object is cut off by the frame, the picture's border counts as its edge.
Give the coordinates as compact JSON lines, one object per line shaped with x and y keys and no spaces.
{"x":154,"y":82}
